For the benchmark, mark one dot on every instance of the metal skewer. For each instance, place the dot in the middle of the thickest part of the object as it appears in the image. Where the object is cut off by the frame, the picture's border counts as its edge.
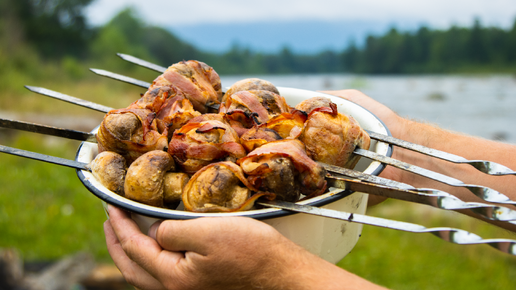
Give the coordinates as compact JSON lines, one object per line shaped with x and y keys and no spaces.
{"x":375,"y":185}
{"x":48,"y":130}
{"x":45,"y":158}
{"x":482,"y":192}
{"x":452,"y":235}
{"x":69,"y":99}
{"x":142,"y":62}
{"x":487,"y":167}
{"x":121,"y":78}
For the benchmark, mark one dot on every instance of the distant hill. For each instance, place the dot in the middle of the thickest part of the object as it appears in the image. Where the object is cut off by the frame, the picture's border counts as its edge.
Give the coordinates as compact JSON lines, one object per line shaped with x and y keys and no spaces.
{"x":305,"y":37}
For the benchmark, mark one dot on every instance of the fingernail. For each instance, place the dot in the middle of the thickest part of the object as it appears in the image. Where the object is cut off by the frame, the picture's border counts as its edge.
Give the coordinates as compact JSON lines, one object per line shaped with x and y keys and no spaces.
{"x":154,"y":229}
{"x":109,"y":208}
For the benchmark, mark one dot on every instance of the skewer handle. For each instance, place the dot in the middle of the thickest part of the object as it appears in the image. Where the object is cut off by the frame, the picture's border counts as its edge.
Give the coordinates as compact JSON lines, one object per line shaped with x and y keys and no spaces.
{"x":452,"y":235}
{"x":435,"y":198}
{"x":485,"y":193}
{"x":48,"y":130}
{"x":45,"y":158}
{"x":487,"y":167}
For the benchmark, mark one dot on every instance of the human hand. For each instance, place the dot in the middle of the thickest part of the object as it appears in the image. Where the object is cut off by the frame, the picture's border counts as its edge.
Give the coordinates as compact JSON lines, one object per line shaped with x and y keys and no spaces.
{"x":396,"y":125}
{"x":212,"y":253}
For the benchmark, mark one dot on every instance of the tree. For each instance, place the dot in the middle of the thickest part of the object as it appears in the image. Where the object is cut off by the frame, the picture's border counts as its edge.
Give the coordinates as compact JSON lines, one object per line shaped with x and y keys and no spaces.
{"x":476,"y":49}
{"x":55,"y":27}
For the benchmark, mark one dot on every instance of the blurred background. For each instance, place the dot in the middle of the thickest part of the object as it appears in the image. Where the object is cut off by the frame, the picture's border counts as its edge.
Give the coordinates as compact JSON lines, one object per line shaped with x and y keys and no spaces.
{"x":451,"y":63}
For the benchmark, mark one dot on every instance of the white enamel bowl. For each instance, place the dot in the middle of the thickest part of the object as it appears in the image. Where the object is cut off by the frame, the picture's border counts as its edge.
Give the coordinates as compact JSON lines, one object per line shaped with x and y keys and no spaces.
{"x":328,"y":238}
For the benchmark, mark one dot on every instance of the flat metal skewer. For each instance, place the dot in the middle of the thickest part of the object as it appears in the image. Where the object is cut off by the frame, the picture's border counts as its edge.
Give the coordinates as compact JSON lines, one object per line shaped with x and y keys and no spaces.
{"x":483,"y":192}
{"x":142,"y":62}
{"x":452,"y":235}
{"x":376,"y":186}
{"x":121,"y":78}
{"x":487,"y":167}
{"x":48,"y":130}
{"x":45,"y":158}
{"x":69,"y":99}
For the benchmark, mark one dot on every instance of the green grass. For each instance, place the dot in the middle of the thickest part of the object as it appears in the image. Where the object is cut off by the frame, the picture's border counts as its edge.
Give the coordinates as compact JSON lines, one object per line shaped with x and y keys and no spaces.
{"x":45,"y":212}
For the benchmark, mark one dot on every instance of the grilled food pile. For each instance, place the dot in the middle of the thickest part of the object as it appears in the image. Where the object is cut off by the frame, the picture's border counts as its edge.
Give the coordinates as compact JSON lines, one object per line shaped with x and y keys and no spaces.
{"x":184,"y":140}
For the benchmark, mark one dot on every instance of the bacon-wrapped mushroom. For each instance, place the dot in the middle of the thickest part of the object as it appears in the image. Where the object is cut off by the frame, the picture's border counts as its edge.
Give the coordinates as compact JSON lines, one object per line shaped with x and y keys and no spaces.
{"x":329,"y":136}
{"x":198,"y":82}
{"x":198,"y":144}
{"x":131,"y":133}
{"x":144,"y":181}
{"x":282,"y":167}
{"x":244,"y":109}
{"x":220,"y":187}
{"x":284,"y":126}
{"x":156,"y":98}
{"x":250,"y":84}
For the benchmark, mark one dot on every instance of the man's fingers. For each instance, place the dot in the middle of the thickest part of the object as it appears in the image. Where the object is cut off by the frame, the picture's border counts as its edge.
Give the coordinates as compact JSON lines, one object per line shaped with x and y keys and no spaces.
{"x":140,"y":248}
{"x":201,"y":235}
{"x":181,"y":235}
{"x":133,"y":273}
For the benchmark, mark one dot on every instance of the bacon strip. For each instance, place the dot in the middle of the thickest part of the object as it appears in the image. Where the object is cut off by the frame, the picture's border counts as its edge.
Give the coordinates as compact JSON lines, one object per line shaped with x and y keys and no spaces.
{"x":197,"y":144}
{"x":146,"y":138}
{"x":311,"y":173}
{"x":197,"y":81}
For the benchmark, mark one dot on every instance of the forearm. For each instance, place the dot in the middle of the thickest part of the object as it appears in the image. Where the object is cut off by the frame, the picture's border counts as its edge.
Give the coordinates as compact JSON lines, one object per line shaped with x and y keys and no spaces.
{"x":306,"y":271}
{"x":430,"y":136}
{"x":471,"y":148}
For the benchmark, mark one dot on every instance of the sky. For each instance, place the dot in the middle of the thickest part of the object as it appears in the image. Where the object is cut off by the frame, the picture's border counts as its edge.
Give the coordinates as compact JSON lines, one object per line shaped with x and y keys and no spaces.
{"x":437,"y":13}
{"x":302,"y":25}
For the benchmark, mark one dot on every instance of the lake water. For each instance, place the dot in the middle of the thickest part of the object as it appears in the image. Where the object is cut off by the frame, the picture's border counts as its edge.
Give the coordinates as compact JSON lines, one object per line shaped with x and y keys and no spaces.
{"x":483,"y":106}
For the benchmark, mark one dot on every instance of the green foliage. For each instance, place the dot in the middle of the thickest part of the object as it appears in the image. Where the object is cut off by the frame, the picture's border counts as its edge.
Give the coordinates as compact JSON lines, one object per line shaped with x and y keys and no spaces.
{"x":55,"y":27}
{"x":435,"y":51}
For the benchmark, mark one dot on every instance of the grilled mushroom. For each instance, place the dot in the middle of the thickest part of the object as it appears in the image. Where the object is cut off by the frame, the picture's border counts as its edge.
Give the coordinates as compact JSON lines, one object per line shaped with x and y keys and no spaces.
{"x":131,"y":133}
{"x":219,"y":187}
{"x":174,"y":184}
{"x":329,"y":136}
{"x":283,"y":168}
{"x":144,"y":181}
{"x":197,"y":81}
{"x":109,"y":169}
{"x":198,"y":144}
